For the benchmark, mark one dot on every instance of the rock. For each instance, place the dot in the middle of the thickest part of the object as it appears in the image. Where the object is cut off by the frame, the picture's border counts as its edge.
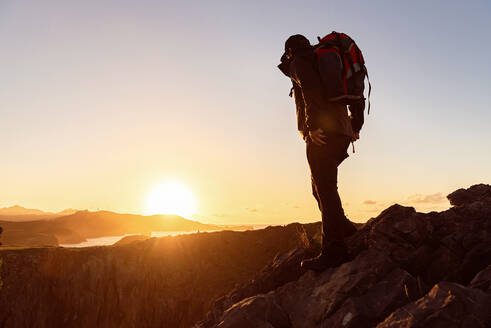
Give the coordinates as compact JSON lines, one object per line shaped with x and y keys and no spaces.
{"x":335,"y":296}
{"x":262,"y":312}
{"x":446,"y":305}
{"x":473,"y":194}
{"x":398,"y":257}
{"x":452,"y":245}
{"x":394,"y":290}
{"x":482,"y":280}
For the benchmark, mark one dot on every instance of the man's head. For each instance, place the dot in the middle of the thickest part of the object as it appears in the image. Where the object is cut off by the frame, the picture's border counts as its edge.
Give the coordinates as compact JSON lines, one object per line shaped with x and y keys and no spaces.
{"x":295,"y":44}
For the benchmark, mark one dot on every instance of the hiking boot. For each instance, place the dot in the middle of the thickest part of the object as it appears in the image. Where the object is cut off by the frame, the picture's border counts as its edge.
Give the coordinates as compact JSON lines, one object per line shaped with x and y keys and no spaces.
{"x":334,"y":255}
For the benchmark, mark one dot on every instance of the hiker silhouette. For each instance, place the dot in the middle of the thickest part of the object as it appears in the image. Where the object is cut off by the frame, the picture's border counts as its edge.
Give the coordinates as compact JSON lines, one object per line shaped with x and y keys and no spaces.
{"x":322,"y":92}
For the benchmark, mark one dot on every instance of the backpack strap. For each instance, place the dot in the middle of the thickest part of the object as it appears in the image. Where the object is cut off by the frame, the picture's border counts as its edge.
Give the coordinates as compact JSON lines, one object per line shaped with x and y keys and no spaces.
{"x":369,"y":89}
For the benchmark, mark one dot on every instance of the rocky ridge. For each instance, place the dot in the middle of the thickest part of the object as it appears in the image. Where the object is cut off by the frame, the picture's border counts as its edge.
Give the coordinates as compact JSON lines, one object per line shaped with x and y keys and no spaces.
{"x":406,"y":269}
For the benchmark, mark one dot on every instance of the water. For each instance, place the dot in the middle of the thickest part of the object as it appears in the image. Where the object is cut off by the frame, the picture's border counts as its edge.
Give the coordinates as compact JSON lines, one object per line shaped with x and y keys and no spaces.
{"x":110,"y":240}
{"x":101,"y":241}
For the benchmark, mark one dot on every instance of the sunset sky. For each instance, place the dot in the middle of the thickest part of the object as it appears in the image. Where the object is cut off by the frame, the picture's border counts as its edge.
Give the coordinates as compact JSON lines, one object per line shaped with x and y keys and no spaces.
{"x":101,"y":101}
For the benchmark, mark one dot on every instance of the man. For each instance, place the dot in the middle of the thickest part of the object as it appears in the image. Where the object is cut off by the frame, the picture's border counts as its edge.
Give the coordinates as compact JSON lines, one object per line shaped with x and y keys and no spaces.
{"x":328,"y":131}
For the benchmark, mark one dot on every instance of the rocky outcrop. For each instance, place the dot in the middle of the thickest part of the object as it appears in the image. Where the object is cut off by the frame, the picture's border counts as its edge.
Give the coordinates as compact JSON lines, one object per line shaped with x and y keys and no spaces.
{"x":446,"y":305}
{"x":408,"y":269}
{"x":159,"y":282}
{"x":476,"y":193}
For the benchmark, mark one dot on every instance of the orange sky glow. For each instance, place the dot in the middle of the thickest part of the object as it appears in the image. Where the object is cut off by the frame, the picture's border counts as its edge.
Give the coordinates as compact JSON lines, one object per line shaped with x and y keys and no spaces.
{"x":102,"y":104}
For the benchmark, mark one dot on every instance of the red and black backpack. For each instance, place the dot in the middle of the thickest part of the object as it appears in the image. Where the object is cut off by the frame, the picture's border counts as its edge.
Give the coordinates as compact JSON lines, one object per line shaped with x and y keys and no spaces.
{"x":353,"y":66}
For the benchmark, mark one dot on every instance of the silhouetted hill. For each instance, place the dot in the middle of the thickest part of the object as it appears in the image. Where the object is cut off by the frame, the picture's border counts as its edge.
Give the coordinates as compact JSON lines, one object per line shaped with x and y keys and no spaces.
{"x":79,"y":226}
{"x":18,"y":213}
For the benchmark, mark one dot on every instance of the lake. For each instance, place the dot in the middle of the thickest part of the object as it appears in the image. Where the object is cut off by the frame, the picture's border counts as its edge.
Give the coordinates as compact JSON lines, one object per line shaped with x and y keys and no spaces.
{"x":110,"y":240}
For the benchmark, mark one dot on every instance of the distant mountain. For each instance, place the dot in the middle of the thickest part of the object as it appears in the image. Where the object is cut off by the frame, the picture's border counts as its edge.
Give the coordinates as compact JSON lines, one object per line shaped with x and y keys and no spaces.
{"x":19,"y":210}
{"x":18,"y":213}
{"x":77,"y":227}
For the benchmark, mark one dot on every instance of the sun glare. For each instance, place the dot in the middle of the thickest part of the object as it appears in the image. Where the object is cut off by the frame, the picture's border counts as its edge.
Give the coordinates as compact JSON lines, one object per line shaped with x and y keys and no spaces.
{"x":171,"y":198}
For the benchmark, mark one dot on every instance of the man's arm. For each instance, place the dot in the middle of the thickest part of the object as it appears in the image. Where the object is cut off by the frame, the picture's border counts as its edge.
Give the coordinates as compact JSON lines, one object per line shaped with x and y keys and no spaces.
{"x":300,"y":104}
{"x":357,"y":115}
{"x":311,"y":90}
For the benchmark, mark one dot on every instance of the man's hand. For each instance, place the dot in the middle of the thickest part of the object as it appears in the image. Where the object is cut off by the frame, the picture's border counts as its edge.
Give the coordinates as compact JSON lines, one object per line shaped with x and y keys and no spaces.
{"x":316,"y":136}
{"x":356,"y":136}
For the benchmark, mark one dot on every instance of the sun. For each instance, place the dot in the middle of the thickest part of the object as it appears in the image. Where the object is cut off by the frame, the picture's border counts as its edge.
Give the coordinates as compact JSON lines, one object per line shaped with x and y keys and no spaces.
{"x":171,"y":198}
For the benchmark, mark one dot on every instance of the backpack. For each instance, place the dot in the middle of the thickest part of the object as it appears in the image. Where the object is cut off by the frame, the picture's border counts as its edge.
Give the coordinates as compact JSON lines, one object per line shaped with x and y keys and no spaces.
{"x":353,"y":68}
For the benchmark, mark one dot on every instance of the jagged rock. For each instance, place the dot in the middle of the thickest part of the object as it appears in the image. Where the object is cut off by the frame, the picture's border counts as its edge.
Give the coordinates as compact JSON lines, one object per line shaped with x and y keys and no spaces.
{"x":482,"y":280}
{"x":398,"y":257}
{"x":394,"y":290}
{"x":335,"y":296}
{"x":446,"y":305}
{"x":452,"y":245}
{"x":473,"y":194}
{"x":261,"y":311}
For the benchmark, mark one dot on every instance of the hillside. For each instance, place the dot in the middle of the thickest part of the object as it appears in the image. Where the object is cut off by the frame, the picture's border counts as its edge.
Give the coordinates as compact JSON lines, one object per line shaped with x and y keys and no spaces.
{"x":79,"y":226}
{"x":159,"y":282}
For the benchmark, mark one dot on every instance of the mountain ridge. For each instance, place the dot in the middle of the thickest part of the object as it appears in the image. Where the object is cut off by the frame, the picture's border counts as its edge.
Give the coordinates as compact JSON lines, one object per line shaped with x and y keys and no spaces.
{"x":77,"y":227}
{"x":18,"y":213}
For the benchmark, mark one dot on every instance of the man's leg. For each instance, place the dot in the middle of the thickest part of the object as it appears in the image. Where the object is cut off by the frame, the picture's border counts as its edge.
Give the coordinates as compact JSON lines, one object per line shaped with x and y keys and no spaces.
{"x":314,"y":192}
{"x":323,"y":162}
{"x":324,"y":169}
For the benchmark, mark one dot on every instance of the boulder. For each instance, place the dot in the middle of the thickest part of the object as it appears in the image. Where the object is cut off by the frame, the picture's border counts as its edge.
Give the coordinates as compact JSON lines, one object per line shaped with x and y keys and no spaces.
{"x":446,"y":305}
{"x":482,"y":280}
{"x":475,"y":193}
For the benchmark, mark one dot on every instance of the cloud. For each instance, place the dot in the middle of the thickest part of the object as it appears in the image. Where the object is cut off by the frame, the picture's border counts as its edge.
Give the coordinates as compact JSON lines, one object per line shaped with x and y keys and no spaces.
{"x":436,"y":198}
{"x":369,"y":202}
{"x":251,"y":209}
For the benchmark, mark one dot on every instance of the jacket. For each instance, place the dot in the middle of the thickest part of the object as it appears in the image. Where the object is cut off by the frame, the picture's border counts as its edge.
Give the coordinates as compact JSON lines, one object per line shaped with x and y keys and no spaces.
{"x":313,"y":109}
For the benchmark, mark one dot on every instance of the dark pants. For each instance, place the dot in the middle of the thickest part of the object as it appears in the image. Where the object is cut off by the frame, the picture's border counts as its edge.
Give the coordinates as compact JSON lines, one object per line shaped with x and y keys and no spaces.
{"x":324,"y":161}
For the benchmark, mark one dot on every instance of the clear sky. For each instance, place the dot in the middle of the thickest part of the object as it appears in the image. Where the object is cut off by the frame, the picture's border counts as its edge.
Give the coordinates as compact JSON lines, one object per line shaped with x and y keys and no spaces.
{"x":102,"y":100}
